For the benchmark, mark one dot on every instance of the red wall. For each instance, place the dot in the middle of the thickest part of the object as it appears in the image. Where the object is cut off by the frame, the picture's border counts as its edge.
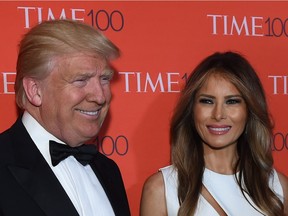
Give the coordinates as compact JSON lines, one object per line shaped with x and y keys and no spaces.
{"x":161,"y":42}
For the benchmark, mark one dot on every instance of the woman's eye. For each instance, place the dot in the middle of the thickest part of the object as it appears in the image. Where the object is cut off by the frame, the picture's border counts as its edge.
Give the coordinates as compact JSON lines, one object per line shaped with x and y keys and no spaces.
{"x":206,"y":101}
{"x":233,"y":101}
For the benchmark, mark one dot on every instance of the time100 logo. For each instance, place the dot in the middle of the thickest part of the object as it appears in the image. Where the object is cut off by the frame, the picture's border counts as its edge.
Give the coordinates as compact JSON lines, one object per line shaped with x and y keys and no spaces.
{"x":104,"y":20}
{"x":280,"y":141}
{"x":101,"y":19}
{"x":109,"y":145}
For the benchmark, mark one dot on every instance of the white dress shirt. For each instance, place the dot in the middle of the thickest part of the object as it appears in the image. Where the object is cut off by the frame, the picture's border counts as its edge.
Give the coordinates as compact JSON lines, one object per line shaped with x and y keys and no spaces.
{"x":80,"y":182}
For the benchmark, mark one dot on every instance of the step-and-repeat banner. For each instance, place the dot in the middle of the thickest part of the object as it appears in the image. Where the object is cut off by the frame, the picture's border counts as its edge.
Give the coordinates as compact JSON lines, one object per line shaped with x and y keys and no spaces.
{"x":161,"y":42}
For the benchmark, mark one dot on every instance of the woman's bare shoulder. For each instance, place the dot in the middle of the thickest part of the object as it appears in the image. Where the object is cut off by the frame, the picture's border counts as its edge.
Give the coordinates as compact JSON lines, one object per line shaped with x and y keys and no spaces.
{"x":154,"y":182}
{"x":153,"y":196}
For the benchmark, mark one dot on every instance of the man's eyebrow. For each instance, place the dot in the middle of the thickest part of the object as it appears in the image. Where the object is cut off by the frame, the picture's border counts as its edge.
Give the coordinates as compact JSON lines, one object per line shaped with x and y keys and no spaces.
{"x":108,"y":71}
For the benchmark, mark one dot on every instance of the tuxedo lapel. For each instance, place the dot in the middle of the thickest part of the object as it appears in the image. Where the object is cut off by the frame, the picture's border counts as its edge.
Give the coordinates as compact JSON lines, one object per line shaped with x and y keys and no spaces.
{"x":33,"y":173}
{"x":104,"y":180}
{"x":110,"y":178}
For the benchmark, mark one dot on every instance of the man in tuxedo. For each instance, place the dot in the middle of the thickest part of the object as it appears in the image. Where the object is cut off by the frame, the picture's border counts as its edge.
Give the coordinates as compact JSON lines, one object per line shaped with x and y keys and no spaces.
{"x":63,"y":87}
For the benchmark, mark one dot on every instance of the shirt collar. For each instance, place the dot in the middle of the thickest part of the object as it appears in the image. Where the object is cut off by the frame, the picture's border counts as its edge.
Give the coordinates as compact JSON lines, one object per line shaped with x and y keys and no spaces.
{"x":39,"y":135}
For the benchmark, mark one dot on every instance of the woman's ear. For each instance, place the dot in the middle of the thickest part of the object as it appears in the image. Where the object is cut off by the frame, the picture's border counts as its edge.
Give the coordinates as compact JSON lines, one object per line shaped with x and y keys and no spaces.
{"x":32,"y":91}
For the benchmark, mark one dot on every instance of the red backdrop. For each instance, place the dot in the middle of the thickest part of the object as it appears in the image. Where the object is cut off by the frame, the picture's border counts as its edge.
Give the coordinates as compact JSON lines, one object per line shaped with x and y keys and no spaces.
{"x":161,"y":42}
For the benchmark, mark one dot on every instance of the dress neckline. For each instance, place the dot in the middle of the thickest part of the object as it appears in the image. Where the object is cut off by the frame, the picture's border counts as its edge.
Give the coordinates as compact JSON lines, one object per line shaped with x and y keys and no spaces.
{"x":207,"y":170}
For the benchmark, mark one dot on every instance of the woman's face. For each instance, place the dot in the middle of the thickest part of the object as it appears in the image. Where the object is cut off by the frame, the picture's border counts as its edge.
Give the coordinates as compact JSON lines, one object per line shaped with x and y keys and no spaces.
{"x":220,"y":113}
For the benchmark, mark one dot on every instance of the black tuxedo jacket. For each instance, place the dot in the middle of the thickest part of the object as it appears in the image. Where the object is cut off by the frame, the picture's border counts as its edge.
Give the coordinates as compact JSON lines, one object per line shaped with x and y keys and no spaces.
{"x":28,"y":186}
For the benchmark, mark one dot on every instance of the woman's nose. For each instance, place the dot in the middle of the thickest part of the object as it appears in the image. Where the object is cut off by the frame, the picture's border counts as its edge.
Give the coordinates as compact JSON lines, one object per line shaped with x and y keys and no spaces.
{"x":219,"y":112}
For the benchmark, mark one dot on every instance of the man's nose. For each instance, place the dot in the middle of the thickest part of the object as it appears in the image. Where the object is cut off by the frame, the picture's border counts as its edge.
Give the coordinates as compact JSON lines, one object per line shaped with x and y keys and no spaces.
{"x":96,"y":93}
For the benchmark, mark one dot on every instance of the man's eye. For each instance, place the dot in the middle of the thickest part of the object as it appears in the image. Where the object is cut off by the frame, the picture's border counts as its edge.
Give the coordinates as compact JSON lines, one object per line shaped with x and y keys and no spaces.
{"x":80,"y":81}
{"x":105,"y":79}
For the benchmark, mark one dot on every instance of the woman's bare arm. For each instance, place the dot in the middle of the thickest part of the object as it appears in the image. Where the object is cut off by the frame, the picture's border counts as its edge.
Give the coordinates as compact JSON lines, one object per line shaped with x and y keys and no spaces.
{"x":153,"y":197}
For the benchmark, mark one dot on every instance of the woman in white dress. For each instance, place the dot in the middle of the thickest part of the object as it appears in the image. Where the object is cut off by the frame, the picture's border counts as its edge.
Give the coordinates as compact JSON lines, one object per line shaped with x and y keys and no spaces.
{"x":221,"y":137}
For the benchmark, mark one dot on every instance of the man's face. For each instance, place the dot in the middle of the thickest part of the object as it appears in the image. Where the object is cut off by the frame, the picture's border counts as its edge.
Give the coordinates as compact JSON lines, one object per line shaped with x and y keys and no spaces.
{"x":75,"y":98}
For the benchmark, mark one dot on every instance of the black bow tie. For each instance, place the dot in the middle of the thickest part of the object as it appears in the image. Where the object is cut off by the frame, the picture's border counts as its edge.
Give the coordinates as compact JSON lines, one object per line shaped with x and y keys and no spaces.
{"x":84,"y":154}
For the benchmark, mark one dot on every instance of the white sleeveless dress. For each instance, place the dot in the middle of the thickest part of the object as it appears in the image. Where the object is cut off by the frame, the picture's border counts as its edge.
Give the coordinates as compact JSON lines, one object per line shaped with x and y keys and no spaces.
{"x":223,"y":188}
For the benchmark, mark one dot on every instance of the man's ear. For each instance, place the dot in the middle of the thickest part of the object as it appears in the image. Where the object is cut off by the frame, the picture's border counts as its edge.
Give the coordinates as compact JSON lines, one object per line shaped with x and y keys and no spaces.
{"x":32,"y":90}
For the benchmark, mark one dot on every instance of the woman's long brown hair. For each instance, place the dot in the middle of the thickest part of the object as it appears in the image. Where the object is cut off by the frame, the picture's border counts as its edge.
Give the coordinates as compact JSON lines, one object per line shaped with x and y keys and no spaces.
{"x":255,"y":163}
